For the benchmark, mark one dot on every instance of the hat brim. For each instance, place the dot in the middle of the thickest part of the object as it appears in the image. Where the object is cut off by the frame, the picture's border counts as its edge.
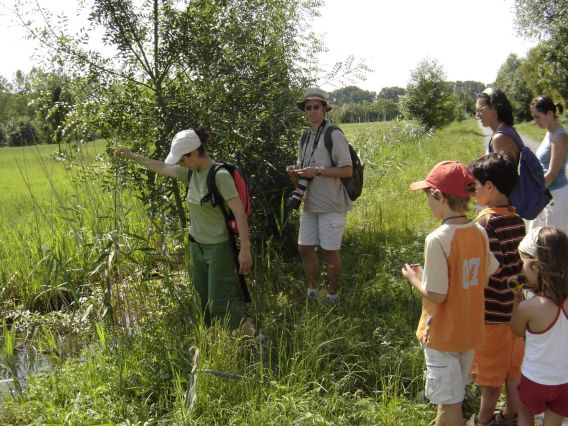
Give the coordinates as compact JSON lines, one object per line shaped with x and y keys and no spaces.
{"x":173,"y":159}
{"x":420,"y":185}
{"x":302,"y":104}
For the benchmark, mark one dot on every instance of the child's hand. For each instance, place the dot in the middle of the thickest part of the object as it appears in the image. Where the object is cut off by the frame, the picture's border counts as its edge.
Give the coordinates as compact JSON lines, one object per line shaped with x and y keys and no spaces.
{"x":123,"y":152}
{"x":516,"y":282}
{"x":413,"y":270}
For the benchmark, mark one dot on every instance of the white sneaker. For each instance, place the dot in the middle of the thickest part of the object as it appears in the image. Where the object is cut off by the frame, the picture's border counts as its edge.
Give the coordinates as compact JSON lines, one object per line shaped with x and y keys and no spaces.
{"x":312,"y":294}
{"x":331,"y":299}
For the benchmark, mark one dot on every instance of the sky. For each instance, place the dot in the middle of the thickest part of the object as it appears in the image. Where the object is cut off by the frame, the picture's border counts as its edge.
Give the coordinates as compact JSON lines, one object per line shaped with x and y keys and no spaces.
{"x":469,"y":39}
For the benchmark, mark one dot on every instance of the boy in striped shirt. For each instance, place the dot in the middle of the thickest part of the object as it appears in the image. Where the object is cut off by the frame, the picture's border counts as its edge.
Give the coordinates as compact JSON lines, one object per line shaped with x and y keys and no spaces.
{"x":498,"y":359}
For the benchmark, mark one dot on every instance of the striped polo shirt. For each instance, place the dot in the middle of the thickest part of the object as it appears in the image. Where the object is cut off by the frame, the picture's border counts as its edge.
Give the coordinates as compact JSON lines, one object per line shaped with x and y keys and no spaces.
{"x":505,"y":229}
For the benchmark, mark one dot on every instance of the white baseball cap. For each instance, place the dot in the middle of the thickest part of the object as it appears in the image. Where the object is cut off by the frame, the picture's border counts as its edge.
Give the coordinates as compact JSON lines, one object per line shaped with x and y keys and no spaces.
{"x":183,"y":143}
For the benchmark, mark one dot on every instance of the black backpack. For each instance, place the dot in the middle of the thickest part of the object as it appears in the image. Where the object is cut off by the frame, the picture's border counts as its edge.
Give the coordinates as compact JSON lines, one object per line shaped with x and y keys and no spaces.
{"x":354,"y":183}
{"x":216,"y":199}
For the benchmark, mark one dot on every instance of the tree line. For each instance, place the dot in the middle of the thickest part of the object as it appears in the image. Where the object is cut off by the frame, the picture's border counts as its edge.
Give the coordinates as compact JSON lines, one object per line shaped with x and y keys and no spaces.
{"x":176,"y":66}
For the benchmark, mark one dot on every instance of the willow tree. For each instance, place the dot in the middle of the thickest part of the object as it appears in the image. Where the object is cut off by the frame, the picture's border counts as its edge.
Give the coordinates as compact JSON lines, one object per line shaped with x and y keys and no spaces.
{"x":235,"y":66}
{"x":428,"y":98}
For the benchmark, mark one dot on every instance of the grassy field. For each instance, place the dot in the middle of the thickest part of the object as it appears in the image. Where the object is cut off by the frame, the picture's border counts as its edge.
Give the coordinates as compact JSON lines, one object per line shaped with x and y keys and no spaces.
{"x":357,"y":363}
{"x":531,"y":130}
{"x":41,"y":173}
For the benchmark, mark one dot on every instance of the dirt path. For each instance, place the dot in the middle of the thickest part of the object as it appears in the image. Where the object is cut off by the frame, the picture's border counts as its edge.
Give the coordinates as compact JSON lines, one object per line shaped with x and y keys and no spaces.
{"x":487,"y":132}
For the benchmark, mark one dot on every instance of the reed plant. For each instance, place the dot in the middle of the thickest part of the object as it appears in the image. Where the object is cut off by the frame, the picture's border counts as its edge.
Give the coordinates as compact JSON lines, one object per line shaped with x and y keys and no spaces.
{"x":355,"y":363}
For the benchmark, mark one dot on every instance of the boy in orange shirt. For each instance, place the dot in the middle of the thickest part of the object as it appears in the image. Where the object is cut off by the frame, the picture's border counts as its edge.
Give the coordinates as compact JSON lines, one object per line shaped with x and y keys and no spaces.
{"x":457,"y":264}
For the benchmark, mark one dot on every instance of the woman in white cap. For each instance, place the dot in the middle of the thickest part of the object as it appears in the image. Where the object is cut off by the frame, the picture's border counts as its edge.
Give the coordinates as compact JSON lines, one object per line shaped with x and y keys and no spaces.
{"x":213,"y":271}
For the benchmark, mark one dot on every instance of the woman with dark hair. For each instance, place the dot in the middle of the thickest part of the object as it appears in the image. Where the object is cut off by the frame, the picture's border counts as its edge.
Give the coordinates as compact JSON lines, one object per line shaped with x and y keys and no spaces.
{"x":494,"y":110}
{"x":552,"y":154}
{"x":213,"y":271}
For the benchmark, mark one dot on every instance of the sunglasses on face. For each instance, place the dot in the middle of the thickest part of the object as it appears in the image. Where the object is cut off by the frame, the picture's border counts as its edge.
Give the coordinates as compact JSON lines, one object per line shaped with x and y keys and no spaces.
{"x":314,"y":107}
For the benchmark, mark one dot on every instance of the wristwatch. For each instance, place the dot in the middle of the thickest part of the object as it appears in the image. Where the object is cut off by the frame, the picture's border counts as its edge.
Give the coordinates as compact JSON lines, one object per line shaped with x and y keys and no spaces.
{"x":318,"y":171}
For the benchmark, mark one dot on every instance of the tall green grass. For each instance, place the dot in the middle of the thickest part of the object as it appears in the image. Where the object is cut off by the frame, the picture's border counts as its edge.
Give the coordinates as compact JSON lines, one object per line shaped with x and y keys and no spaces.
{"x":356,"y":363}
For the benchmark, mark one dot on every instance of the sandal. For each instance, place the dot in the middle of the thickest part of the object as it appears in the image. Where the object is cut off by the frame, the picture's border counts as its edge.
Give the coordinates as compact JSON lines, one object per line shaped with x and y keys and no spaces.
{"x":500,"y":419}
{"x":474,"y":421}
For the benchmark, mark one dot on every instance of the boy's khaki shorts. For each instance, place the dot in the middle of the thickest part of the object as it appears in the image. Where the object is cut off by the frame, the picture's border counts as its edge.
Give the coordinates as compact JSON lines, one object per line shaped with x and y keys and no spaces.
{"x":499,"y":357}
{"x":447,"y":374}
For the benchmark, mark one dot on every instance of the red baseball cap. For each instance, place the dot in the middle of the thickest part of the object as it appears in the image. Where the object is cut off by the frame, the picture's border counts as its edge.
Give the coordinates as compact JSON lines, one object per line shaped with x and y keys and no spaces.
{"x":449,"y":177}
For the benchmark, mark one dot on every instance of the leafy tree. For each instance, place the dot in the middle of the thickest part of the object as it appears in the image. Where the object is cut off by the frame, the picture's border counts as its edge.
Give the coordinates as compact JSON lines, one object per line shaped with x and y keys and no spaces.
{"x":391,"y":93}
{"x":232,"y":65}
{"x":510,"y":79}
{"x":351,"y":95}
{"x":51,"y":100}
{"x":465,"y":94}
{"x":548,"y":62}
{"x":428,"y":97}
{"x":16,"y":113}
{"x":381,"y":110}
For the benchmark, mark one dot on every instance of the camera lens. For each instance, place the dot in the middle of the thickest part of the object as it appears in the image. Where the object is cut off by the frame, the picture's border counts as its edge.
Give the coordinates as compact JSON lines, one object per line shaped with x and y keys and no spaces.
{"x":294,"y":202}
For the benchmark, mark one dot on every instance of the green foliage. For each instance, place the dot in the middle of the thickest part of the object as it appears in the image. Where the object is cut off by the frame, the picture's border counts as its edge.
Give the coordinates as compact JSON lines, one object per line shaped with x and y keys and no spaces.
{"x":391,"y":93}
{"x":511,"y":80}
{"x":351,"y":95}
{"x":547,"y":70}
{"x":234,"y":66}
{"x":357,"y":363}
{"x":428,"y":97}
{"x":531,"y":130}
{"x":380,"y":110}
{"x":465,"y":93}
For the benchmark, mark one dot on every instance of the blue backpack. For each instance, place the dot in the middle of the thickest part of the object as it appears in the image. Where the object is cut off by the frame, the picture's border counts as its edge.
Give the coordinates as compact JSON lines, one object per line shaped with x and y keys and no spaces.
{"x":530,"y":195}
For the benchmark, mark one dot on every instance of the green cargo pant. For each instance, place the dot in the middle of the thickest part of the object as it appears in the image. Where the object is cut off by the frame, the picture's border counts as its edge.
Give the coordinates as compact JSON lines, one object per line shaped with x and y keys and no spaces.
{"x":214,"y":277}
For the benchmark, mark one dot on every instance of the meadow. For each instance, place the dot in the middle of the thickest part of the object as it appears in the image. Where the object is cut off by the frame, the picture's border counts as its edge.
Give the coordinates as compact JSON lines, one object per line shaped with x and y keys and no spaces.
{"x":530,"y":129}
{"x":82,"y":251}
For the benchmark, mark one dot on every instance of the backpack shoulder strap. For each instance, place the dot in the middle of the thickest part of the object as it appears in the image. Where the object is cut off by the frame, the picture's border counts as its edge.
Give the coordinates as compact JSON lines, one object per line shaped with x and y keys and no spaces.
{"x":513,"y":134}
{"x":304,"y":138}
{"x":213,"y":193}
{"x":328,"y":142}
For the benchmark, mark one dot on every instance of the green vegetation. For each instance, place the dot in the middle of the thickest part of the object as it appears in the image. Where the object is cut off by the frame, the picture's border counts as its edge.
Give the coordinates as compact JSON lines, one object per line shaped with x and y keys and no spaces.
{"x":531,"y":130}
{"x":428,"y":98}
{"x":357,"y":363}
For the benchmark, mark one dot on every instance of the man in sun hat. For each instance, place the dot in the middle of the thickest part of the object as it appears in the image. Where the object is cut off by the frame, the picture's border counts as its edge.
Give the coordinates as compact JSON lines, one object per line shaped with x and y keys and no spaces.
{"x":326,"y":203}
{"x":457,"y":265}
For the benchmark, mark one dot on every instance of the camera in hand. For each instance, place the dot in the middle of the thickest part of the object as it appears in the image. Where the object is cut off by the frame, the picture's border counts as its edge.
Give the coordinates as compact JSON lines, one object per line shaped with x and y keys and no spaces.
{"x":298,"y":195}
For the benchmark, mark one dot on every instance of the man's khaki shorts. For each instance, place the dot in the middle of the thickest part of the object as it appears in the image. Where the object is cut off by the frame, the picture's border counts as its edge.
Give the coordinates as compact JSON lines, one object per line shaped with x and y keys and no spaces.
{"x":322,"y":229}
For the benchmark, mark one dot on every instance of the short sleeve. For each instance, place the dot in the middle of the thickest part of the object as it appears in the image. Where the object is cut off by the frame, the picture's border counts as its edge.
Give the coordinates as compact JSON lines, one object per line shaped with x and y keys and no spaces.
{"x":340,"y":151}
{"x":182,"y":174}
{"x":435,"y":275}
{"x":492,"y":264}
{"x":226,"y":185}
